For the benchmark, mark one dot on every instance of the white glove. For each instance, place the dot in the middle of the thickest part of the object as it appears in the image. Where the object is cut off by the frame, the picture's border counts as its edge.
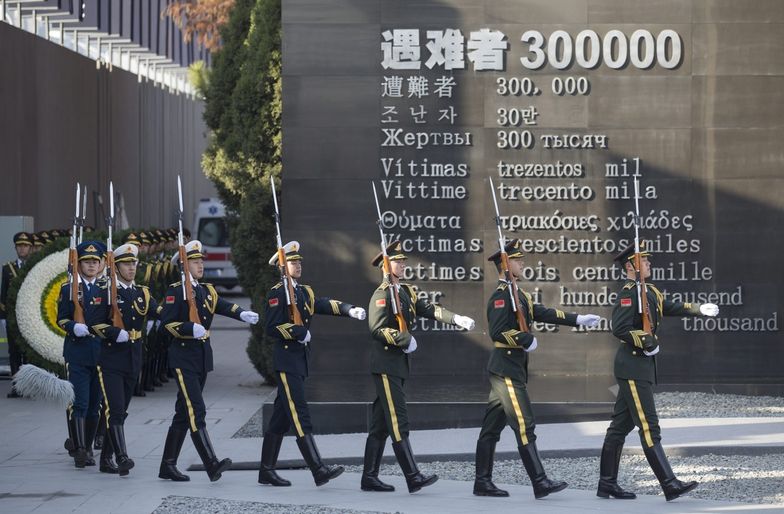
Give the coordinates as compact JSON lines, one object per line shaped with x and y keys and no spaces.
{"x":652,"y":352}
{"x":709,"y":309}
{"x":199,"y":331}
{"x":80,"y":330}
{"x":307,"y":338}
{"x":150,"y":324}
{"x":412,"y":346}
{"x":533,"y":346}
{"x":249,"y":317}
{"x":357,"y":313}
{"x":2,"y":323}
{"x":123,"y":336}
{"x":464,"y":322}
{"x":588,"y":320}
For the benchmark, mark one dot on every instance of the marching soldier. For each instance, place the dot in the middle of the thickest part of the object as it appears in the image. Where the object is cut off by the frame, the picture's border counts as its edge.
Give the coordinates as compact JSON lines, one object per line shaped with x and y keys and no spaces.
{"x":23,"y":246}
{"x":635,"y":372}
{"x":508,"y":369}
{"x":290,"y":358}
{"x":389,"y":364}
{"x":190,"y":356}
{"x":82,"y":347}
{"x":120,"y":359}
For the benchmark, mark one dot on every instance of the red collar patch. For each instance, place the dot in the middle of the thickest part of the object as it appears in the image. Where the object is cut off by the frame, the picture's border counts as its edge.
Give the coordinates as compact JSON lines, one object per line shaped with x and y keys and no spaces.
{"x":626,"y":302}
{"x":499,"y":304}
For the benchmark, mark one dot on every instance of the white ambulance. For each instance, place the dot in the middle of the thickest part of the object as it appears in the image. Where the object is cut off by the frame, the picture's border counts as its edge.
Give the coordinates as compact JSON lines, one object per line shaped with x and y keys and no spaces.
{"x":210,"y":228}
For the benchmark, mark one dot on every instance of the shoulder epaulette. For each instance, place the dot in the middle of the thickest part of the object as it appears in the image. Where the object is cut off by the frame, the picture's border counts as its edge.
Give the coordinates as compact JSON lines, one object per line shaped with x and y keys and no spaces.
{"x":277,"y":285}
{"x":176,"y":284}
{"x":629,"y":285}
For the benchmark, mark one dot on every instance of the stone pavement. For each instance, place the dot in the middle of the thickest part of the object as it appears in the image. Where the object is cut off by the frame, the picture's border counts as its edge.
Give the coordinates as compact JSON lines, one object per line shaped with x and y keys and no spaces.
{"x":36,"y":474}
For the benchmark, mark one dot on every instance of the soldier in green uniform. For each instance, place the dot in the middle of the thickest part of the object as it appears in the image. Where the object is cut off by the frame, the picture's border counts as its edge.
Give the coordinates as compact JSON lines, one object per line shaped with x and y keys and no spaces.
{"x":635,"y":371}
{"x":389,"y":364}
{"x":23,"y":245}
{"x":508,"y":369}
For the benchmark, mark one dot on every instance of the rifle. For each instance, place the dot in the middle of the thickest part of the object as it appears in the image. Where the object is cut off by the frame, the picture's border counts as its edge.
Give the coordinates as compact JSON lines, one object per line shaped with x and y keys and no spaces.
{"x":117,"y":320}
{"x":642,"y":290}
{"x":522,"y":324}
{"x":394,"y":285}
{"x":73,"y":266}
{"x":84,"y":216}
{"x":285,"y":278}
{"x":185,"y":273}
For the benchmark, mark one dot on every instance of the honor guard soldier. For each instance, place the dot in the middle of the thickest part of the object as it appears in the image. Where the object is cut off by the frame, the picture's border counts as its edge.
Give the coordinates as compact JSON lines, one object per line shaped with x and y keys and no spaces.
{"x":389,"y":364}
{"x":190,"y":357}
{"x":508,"y":370}
{"x":38,"y":242}
{"x":82,"y":347}
{"x":635,"y":372}
{"x":291,"y":356}
{"x":120,"y":360}
{"x":23,"y":245}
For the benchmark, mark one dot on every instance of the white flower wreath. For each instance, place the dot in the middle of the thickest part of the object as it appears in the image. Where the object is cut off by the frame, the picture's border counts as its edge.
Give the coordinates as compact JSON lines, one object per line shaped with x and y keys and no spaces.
{"x":36,"y":306}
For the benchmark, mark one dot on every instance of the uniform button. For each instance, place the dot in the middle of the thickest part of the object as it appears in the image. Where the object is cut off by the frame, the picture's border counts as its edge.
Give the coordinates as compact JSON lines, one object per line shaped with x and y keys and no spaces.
{"x":509,"y":352}
{"x":634,"y":353}
{"x":182,"y":344}
{"x":133,"y":317}
{"x":386,"y":347}
{"x":286,"y":347}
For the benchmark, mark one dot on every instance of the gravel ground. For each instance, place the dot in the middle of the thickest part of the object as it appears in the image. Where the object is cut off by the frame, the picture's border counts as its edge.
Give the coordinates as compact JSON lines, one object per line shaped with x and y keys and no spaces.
{"x":750,"y":479}
{"x":708,"y":405}
{"x":194,"y":505}
{"x":668,"y":405}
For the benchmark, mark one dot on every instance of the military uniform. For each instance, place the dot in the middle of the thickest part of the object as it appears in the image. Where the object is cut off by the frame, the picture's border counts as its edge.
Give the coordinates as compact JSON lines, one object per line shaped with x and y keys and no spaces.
{"x":509,"y":403}
{"x":120,"y":361}
{"x":81,"y":353}
{"x":635,"y":372}
{"x":390,"y":366}
{"x":9,"y":271}
{"x":291,"y":359}
{"x":190,"y":357}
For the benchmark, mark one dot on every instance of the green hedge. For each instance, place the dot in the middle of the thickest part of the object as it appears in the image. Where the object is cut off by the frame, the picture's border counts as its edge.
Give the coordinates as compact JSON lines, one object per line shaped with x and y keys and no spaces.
{"x":243,"y":109}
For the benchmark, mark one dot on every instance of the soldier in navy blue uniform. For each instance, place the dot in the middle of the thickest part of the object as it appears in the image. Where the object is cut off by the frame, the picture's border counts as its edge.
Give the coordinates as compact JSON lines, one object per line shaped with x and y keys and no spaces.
{"x":82,"y":348}
{"x":190,"y":357}
{"x":23,"y":244}
{"x":290,"y":357}
{"x":120,"y":360}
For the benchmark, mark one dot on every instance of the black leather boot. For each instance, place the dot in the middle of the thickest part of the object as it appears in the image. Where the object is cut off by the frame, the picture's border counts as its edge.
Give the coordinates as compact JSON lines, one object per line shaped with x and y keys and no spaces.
{"x":608,"y":473}
{"x":117,"y":437}
{"x":171,"y":451}
{"x":321,"y":472}
{"x":90,"y":429}
{"x":105,"y":462}
{"x":374,"y":452}
{"x":533,"y":466}
{"x":483,"y":483}
{"x":214,"y":467}
{"x":672,"y":487}
{"x":270,"y":449}
{"x":80,"y":452}
{"x":405,"y":458}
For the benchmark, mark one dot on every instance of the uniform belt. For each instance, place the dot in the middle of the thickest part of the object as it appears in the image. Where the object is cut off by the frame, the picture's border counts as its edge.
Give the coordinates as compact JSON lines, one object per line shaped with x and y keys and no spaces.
{"x":505,"y":346}
{"x":135,"y":334}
